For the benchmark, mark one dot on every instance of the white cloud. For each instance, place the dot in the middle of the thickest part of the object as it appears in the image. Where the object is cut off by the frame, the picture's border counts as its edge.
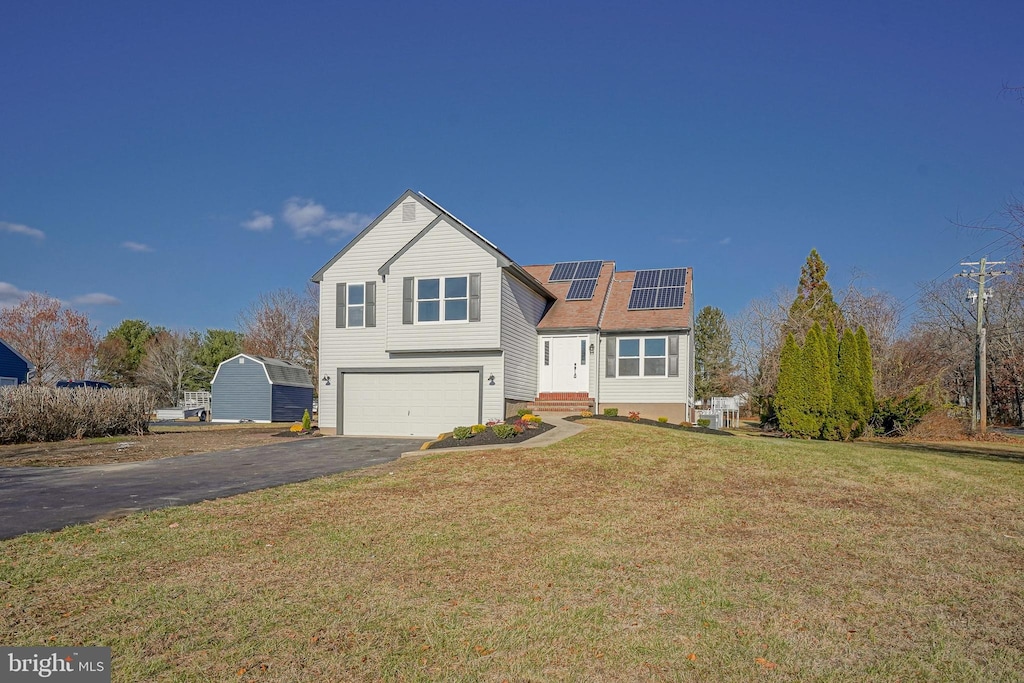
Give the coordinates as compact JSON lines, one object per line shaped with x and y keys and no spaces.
{"x":136,"y":246}
{"x":309,"y":219}
{"x":18,"y":229}
{"x":10,"y":295}
{"x":725,"y":240}
{"x":260,"y":222}
{"x":96,"y":299}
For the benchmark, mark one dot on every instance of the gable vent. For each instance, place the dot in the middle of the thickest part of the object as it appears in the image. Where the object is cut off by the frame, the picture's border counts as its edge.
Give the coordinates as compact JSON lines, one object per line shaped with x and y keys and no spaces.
{"x":408,"y":212}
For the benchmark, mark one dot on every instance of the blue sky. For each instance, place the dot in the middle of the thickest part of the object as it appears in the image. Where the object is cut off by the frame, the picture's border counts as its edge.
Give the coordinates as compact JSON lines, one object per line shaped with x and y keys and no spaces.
{"x":140,"y":143}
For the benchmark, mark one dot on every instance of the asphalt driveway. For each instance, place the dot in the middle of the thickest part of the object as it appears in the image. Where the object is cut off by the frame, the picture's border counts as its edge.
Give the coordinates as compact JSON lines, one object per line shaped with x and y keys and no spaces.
{"x":50,"y":498}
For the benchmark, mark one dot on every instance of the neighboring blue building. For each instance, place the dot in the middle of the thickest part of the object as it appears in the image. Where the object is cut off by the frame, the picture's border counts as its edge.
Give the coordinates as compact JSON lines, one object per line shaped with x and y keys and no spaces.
{"x":14,"y":367}
{"x":260,"y":389}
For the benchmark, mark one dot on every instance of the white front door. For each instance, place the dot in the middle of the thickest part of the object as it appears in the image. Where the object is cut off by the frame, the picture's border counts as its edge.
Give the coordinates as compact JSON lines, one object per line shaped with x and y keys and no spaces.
{"x":564,"y":364}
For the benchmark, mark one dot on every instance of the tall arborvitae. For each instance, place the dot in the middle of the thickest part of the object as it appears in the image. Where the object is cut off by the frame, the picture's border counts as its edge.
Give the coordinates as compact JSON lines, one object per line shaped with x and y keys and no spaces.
{"x":818,"y":377}
{"x":791,"y":394}
{"x":867,"y":375}
{"x":847,"y":396}
{"x":830,"y":428}
{"x":814,"y":301}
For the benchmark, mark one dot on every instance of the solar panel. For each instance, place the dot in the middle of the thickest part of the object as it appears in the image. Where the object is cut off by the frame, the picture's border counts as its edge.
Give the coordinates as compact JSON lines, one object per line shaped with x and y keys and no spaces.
{"x":646,"y":278}
{"x":581,"y":290}
{"x":588,"y":270}
{"x":642,"y":298}
{"x":673,"y":277}
{"x":670,"y":297}
{"x":563,"y":271}
{"x":658,"y":289}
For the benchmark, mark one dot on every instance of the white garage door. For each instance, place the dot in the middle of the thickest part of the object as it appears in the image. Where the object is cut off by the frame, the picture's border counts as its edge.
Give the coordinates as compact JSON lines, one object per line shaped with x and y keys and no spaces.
{"x":409,"y":404}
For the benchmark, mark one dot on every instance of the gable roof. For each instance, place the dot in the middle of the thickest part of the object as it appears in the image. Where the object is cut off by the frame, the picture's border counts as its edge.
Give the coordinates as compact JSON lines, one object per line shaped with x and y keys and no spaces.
{"x":18,"y":354}
{"x":618,"y":318}
{"x":319,"y":275}
{"x":280,"y":372}
{"x":565,"y":315}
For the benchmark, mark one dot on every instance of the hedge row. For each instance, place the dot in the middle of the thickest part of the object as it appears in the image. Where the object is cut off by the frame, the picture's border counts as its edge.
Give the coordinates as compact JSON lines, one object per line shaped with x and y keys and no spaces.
{"x":33,"y":413}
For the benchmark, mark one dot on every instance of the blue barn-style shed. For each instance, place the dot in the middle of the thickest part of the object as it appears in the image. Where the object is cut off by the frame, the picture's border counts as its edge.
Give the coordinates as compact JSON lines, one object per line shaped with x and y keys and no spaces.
{"x":14,"y":367}
{"x":248,"y":387}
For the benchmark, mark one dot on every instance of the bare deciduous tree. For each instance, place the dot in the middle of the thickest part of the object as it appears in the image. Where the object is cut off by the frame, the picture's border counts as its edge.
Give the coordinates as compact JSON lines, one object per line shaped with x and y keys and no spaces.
{"x":59,"y":341}
{"x":284,"y":324}
{"x":169,"y":361}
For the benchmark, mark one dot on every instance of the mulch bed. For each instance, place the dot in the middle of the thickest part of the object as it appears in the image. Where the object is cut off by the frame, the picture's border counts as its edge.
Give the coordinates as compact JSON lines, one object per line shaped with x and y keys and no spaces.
{"x":310,"y":434}
{"x":489,"y":438}
{"x":652,"y":423}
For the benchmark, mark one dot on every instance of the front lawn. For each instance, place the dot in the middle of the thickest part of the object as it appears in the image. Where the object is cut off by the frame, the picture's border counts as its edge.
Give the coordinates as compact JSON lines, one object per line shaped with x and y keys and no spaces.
{"x":623,"y":553}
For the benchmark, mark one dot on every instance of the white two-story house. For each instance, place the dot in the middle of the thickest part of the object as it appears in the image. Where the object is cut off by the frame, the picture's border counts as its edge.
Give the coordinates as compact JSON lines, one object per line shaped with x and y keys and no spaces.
{"x":426,"y":325}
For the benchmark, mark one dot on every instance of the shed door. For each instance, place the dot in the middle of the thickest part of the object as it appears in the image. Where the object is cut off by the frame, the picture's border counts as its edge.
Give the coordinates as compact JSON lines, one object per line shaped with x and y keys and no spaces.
{"x":409,"y":403}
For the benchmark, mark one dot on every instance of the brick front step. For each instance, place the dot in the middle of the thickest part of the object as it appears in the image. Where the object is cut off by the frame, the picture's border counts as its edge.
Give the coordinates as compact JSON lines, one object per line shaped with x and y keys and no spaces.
{"x":563,"y":396}
{"x":561,"y":406}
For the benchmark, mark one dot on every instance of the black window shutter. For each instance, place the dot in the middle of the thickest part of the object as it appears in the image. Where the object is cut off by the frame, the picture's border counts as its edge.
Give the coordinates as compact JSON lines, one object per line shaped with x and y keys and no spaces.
{"x":609,"y":356}
{"x":407,"y":302}
{"x":340,"y":303}
{"x":673,"y":355}
{"x":370,"y":314}
{"x":474,"y":297}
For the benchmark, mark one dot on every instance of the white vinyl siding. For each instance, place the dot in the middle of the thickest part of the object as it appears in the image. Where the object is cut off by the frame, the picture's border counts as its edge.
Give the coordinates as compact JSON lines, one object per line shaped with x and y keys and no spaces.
{"x":366,"y":348}
{"x":658,"y":389}
{"x":443,"y":252}
{"x":521,"y":310}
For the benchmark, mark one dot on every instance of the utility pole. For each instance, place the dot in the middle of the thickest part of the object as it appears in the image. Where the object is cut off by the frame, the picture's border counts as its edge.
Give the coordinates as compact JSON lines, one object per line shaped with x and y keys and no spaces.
{"x":979,"y":404}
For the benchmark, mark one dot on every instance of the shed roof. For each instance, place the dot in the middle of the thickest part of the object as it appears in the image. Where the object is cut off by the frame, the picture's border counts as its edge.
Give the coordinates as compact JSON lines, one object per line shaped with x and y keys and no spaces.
{"x":281,"y":372}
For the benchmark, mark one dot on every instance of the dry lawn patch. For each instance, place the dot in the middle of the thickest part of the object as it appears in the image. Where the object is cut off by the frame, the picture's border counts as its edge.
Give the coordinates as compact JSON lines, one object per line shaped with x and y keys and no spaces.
{"x":624,"y":553}
{"x":162,"y":442}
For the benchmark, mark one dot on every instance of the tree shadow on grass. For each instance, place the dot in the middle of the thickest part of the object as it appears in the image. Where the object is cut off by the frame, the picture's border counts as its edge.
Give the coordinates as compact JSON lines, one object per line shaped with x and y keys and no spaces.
{"x":998,"y":450}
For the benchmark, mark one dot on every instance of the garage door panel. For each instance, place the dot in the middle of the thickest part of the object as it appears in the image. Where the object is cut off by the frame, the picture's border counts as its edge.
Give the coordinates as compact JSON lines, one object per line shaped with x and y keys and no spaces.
{"x":409,"y":404}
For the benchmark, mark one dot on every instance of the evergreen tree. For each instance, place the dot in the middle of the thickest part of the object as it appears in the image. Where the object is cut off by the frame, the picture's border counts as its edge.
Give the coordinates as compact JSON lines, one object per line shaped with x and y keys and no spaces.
{"x":713,"y":357}
{"x":790,"y":396}
{"x":814,"y":301}
{"x":216,"y":346}
{"x":830,"y":430}
{"x":847,"y":404}
{"x":817,"y":372}
{"x":867,"y":376}
{"x":121,"y":352}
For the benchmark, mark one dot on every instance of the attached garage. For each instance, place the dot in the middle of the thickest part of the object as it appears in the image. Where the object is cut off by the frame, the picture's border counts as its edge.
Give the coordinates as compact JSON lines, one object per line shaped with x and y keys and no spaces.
{"x":418,"y":402}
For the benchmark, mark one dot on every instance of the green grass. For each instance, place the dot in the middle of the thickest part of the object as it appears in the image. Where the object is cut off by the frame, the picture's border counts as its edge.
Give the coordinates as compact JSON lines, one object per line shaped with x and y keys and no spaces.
{"x":625,"y":553}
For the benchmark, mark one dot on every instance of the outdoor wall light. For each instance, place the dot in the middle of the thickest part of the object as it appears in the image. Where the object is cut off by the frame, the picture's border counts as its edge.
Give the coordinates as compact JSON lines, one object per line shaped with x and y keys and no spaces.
{"x":326,"y":380}
{"x":490,"y":380}
{"x":591,"y":349}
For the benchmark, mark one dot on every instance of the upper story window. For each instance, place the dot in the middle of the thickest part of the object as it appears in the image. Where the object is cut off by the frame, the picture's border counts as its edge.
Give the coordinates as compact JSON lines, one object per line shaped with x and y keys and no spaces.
{"x":442,"y":299}
{"x":356,"y":305}
{"x":646,"y":357}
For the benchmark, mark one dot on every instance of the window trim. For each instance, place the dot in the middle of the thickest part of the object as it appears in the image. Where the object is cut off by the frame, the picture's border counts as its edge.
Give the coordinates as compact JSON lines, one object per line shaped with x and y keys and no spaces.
{"x":643,"y":356}
{"x":349,"y":305}
{"x":441,"y":300}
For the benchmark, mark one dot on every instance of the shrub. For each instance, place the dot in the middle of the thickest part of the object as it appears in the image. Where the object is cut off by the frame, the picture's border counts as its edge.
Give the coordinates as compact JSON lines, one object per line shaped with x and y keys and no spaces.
{"x":611,"y":412}
{"x":634,"y":416}
{"x":34,"y":413}
{"x":477,"y":429}
{"x":663,"y":420}
{"x":460,"y":433}
{"x":704,"y":422}
{"x":896,"y":417}
{"x":503,"y":431}
{"x":535,"y":419}
{"x":491,"y":423}
{"x":306,"y":422}
{"x":524,"y":411}
{"x":685,"y":423}
{"x":295,"y":428}
{"x":586,"y":413}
